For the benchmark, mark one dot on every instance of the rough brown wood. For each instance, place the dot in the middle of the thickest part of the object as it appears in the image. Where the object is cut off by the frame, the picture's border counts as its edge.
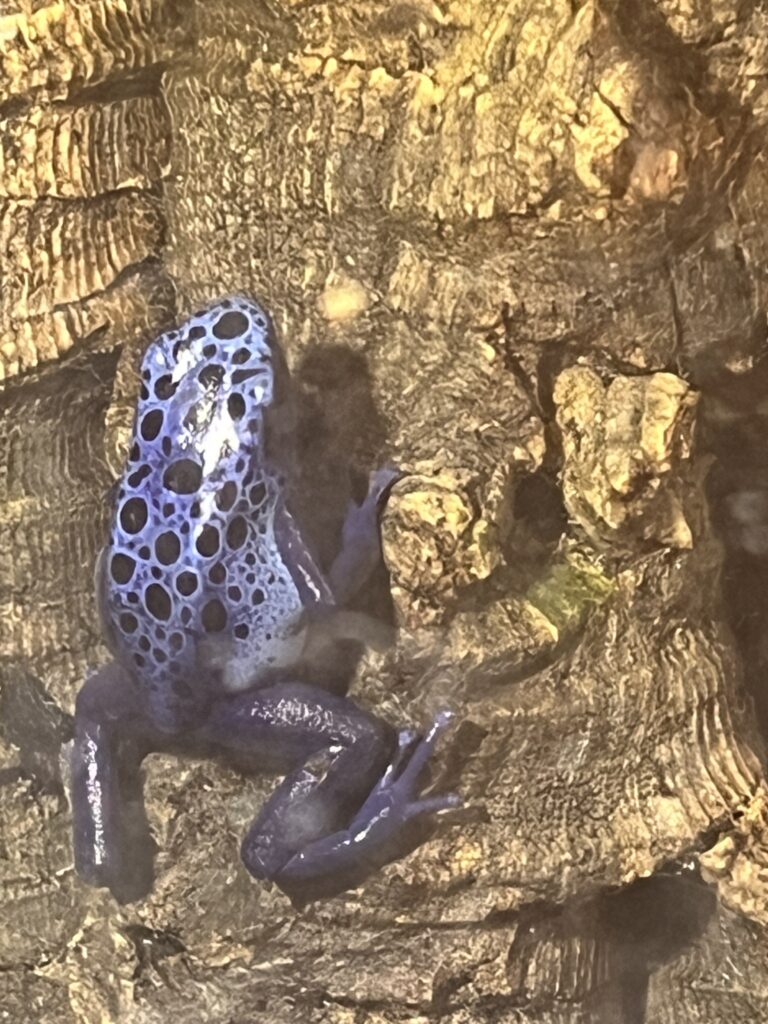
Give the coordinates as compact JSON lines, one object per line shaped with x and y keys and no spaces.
{"x":520,"y":249}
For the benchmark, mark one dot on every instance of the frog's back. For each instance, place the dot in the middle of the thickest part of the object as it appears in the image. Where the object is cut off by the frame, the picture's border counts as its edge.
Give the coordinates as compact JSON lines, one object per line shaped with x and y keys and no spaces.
{"x":193,"y":558}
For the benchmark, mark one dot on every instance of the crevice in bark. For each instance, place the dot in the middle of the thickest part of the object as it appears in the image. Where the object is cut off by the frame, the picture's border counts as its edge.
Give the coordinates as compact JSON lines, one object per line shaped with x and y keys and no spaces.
{"x":152,"y":946}
{"x":735,"y":433}
{"x":651,"y":922}
{"x":632,"y":931}
{"x":146,"y":81}
{"x":34,"y":723}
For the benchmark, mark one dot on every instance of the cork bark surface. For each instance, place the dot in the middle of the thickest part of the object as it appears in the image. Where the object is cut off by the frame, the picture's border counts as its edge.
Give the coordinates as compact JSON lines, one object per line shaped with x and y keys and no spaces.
{"x":520,"y":249}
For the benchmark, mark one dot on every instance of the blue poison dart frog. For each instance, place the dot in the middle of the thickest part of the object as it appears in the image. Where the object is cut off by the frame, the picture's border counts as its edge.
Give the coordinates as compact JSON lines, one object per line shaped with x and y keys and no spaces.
{"x":209,"y":597}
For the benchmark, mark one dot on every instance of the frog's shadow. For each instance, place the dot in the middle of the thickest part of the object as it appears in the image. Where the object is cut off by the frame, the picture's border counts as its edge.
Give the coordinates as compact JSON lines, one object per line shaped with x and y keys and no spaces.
{"x":340,"y":436}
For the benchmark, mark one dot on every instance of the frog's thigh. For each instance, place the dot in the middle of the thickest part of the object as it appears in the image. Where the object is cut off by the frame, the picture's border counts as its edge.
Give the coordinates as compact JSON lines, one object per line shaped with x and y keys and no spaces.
{"x":337,"y":753}
{"x":112,"y":844}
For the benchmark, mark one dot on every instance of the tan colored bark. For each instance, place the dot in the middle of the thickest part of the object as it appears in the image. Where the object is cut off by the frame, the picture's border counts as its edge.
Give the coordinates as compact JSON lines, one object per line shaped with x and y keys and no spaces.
{"x":520,"y":250}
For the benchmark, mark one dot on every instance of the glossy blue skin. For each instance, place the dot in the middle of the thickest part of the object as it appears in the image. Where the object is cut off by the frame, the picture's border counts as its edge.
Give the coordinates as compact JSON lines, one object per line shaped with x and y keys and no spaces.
{"x":214,"y":609}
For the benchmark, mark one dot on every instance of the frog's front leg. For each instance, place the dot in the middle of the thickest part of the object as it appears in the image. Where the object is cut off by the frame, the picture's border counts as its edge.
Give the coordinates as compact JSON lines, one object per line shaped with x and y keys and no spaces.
{"x":353,"y":805}
{"x":112,"y":843}
{"x":360,"y":552}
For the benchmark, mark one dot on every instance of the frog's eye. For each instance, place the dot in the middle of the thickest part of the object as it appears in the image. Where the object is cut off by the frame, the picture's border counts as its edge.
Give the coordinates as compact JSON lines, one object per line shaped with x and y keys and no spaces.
{"x":231,"y":325}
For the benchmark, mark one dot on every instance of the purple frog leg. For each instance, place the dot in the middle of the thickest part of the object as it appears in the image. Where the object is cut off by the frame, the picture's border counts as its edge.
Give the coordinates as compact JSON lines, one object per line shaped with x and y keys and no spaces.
{"x":346,"y":807}
{"x":361,"y":538}
{"x":350,"y":808}
{"x":389,"y":825}
{"x":112,"y":843}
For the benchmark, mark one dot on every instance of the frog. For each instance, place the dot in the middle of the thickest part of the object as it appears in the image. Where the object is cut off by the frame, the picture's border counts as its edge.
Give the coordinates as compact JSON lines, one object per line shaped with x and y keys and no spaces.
{"x":213,"y":606}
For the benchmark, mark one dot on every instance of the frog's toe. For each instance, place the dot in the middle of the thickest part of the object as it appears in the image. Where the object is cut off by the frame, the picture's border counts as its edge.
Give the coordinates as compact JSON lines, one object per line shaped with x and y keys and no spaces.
{"x":433,"y":805}
{"x":398,"y":791}
{"x":406,"y":741}
{"x":381,"y":481}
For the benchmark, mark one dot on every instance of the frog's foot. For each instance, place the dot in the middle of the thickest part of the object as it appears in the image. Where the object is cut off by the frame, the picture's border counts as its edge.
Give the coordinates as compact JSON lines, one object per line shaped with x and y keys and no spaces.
{"x":360,"y":537}
{"x":388,"y":825}
{"x":351,"y":801}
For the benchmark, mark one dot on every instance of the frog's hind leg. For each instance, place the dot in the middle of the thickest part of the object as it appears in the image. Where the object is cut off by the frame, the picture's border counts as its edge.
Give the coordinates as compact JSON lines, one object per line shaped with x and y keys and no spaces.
{"x":354,"y":803}
{"x":112,"y":843}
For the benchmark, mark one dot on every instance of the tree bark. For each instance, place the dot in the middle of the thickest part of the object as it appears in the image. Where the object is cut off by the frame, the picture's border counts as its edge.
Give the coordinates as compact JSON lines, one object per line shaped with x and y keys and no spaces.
{"x":520,"y":251}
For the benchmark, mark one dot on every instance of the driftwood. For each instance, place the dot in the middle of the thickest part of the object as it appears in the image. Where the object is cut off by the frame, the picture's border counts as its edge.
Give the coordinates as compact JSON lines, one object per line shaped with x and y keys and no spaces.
{"x":520,"y":250}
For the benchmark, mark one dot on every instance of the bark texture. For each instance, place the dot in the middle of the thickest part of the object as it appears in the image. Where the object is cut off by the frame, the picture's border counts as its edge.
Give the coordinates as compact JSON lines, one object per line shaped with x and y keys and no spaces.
{"x":521,"y":250}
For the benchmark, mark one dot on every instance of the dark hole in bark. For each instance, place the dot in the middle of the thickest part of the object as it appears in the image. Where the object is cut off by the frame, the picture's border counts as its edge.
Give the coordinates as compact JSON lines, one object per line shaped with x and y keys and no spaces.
{"x":539,"y":504}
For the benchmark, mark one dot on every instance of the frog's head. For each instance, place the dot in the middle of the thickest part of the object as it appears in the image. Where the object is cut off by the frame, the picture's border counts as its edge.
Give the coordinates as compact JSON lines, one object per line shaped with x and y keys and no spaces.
{"x":207,"y":387}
